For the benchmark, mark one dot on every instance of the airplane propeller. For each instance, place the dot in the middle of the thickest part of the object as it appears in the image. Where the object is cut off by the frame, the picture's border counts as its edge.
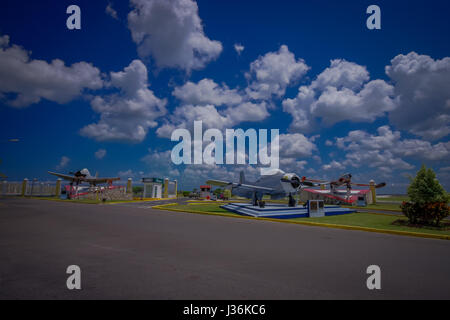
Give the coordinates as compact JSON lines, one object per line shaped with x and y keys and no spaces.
{"x":380,"y":185}
{"x":77,"y":173}
{"x":296,"y":182}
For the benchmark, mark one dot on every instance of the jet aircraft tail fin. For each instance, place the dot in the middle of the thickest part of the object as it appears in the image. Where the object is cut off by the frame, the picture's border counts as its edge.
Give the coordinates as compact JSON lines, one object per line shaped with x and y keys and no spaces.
{"x":242,"y":177}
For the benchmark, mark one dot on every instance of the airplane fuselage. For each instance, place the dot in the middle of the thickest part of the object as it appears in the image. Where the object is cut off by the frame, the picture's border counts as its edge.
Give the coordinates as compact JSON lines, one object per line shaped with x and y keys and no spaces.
{"x":83,"y":176}
{"x":280,"y":189}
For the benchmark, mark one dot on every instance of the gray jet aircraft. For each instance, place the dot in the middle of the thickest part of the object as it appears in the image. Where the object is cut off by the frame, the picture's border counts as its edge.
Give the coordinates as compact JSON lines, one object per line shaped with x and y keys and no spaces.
{"x":278,"y":185}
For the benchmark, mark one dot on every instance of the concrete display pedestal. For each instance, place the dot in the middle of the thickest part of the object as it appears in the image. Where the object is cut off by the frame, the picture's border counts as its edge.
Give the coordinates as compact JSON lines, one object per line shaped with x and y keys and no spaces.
{"x":281,"y":211}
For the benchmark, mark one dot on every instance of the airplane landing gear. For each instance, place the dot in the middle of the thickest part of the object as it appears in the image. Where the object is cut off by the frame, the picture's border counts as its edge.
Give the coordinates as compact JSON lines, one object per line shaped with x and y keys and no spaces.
{"x":69,"y":195}
{"x":258,"y":202}
{"x":254,"y":199}
{"x":292,"y":201}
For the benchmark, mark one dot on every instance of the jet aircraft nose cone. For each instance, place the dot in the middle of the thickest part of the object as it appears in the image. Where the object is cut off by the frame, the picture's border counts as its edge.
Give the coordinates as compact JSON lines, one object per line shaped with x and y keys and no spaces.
{"x":295,"y":182}
{"x":293,"y":179}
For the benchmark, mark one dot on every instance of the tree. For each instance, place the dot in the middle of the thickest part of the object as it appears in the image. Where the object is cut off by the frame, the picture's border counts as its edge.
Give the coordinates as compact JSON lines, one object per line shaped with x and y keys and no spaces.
{"x":218,"y":191}
{"x":185,"y":193}
{"x":137,"y":189}
{"x":429,"y":200}
{"x":425,"y":188}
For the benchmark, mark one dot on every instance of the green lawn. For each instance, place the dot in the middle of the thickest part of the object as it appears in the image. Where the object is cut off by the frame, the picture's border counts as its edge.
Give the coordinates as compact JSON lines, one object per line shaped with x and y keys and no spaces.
{"x":372,"y":220}
{"x":381,"y":206}
{"x":202,"y":207}
{"x":393,"y":198}
{"x":361,"y":219}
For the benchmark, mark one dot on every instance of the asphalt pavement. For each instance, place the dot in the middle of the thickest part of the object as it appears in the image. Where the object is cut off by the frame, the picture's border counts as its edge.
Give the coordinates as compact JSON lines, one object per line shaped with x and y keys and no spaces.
{"x":137,"y":252}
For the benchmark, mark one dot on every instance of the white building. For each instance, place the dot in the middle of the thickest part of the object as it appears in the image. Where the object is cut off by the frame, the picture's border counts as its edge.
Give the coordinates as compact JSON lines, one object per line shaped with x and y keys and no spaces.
{"x":159,"y":188}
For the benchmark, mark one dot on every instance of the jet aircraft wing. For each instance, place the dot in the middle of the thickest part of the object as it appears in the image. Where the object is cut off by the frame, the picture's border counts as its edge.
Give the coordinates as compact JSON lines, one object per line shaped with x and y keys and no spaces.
{"x":253,"y":188}
{"x":380,"y":185}
{"x":219,"y":183}
{"x":222,"y":183}
{"x":315,"y":181}
{"x":100,"y":180}
{"x":83,"y":179}
{"x":64,"y":176}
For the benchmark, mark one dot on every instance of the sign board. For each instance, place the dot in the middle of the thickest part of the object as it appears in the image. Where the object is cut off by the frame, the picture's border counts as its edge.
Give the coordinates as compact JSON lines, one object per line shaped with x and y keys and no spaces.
{"x":316,"y":208}
{"x":152,"y":180}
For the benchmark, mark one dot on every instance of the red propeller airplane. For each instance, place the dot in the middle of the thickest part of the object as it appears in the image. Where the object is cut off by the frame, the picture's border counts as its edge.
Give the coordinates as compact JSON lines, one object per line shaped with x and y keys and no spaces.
{"x":344,"y":180}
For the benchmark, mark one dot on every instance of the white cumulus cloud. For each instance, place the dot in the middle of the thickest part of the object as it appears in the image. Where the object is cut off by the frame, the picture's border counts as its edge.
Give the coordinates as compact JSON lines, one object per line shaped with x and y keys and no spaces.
{"x":341,"y":92}
{"x":239,"y":48}
{"x":360,"y":141}
{"x":333,"y":165}
{"x":296,"y":145}
{"x":171,"y":32}
{"x":373,"y":101}
{"x":206,"y":91}
{"x":212,"y":117}
{"x":126,"y":116}
{"x":422,"y":85}
{"x":32,"y":80}
{"x":100,"y":154}
{"x":220,"y":107}
{"x":272,"y":73}
{"x":63,"y":162}
{"x":110,"y":11}
{"x":342,"y":74}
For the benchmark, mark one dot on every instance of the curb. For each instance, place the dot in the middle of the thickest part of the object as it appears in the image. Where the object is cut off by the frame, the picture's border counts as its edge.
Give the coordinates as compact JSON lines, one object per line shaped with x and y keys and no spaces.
{"x":58,"y":200}
{"x":314,"y":224}
{"x":130,"y":201}
{"x":76,"y":201}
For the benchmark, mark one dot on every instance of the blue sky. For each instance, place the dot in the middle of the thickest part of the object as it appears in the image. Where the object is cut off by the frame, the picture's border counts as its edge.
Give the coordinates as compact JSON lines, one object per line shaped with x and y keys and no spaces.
{"x":366,"y":113}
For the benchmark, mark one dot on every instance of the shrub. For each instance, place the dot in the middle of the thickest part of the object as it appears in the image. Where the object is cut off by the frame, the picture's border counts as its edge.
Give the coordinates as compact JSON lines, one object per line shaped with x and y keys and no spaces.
{"x":437,"y":211}
{"x":411,"y":211}
{"x":425,"y":213}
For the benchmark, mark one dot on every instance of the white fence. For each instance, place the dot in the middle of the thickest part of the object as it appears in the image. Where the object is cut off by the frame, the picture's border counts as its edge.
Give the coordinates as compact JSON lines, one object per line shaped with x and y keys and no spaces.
{"x":11,"y":188}
{"x":32,"y":188}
